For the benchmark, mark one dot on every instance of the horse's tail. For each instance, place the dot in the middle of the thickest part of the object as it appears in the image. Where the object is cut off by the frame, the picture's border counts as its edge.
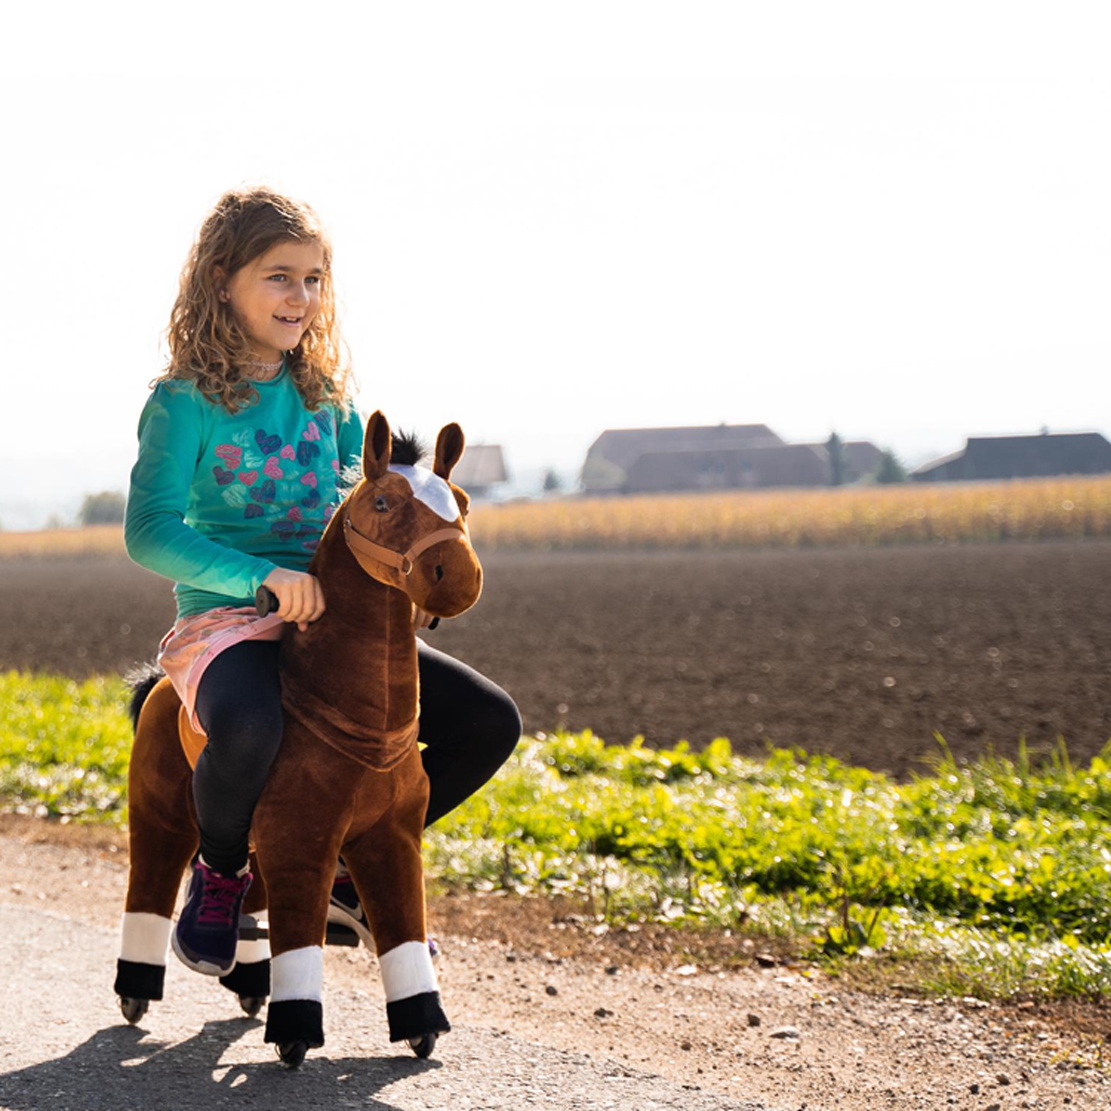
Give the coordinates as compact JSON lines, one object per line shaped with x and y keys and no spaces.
{"x":141,"y":680}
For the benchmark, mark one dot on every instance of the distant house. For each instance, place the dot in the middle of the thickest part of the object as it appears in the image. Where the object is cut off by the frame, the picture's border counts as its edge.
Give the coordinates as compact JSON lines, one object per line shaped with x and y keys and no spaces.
{"x":481,"y":468}
{"x":1044,"y":455}
{"x":613,"y":454}
{"x":728,"y":468}
{"x":860,"y":457}
{"x":713,"y":457}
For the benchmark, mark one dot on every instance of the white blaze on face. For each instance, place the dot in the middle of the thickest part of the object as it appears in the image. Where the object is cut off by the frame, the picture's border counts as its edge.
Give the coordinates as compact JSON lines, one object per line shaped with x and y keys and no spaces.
{"x":429,"y":488}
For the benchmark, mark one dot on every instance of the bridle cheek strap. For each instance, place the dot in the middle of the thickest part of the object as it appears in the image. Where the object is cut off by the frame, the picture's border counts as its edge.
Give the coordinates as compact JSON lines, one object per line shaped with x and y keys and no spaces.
{"x":364,"y":549}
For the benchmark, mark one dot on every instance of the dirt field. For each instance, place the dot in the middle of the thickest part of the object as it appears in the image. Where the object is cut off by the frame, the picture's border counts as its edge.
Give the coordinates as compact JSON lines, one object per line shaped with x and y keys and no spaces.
{"x":862,"y":653}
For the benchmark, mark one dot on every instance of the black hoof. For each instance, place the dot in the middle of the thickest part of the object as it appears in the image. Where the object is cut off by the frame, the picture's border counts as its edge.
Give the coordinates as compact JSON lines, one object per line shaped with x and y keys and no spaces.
{"x":251,"y":1004}
{"x":133,"y":1009}
{"x":293,"y":1054}
{"x":423,"y":1047}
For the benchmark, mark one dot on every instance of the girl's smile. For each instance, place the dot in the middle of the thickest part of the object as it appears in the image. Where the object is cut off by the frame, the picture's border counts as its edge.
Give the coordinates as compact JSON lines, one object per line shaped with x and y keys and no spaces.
{"x":277,"y":296}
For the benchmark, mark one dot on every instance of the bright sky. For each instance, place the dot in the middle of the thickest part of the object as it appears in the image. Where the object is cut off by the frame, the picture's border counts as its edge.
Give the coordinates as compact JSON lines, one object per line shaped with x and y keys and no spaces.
{"x":888,"y":219}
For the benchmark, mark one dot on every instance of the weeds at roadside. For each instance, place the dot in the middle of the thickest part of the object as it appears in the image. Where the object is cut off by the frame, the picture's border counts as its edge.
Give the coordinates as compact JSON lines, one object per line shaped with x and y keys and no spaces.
{"x":991,"y":879}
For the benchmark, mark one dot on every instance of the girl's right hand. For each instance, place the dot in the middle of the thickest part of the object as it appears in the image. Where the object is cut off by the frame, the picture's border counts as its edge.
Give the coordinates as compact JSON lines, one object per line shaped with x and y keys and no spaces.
{"x":300,"y":597}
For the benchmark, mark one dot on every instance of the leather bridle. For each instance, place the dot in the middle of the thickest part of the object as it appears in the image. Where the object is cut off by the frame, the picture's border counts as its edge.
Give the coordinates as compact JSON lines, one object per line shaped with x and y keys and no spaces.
{"x":364,"y":549}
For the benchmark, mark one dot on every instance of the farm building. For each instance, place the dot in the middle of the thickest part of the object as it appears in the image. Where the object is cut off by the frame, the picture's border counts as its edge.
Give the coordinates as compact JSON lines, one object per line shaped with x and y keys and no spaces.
{"x":994,"y":457}
{"x":481,"y":468}
{"x":713,"y":457}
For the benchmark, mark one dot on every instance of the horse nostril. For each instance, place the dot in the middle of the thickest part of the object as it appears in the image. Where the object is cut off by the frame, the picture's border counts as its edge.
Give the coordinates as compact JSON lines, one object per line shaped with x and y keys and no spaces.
{"x":439,"y":572}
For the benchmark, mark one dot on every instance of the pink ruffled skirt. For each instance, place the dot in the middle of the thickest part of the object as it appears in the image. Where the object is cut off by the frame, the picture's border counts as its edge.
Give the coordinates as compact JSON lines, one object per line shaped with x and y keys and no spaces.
{"x":194,"y":642}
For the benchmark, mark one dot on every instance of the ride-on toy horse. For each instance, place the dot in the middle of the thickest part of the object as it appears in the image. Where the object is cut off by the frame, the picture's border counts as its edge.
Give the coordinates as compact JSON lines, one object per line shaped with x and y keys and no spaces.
{"x":348,"y":776}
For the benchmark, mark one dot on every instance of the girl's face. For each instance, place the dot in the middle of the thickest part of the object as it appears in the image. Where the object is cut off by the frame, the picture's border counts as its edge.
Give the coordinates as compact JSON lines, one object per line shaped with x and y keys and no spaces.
{"x":277,"y":295}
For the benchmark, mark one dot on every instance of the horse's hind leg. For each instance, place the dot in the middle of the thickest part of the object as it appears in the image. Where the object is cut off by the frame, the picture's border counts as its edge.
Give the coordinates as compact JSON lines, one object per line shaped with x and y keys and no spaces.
{"x":163,"y":837}
{"x":385,"y":863}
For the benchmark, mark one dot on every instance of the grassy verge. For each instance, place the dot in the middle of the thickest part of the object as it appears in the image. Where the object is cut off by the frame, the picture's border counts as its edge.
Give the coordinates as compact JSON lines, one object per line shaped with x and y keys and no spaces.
{"x":992,"y":879}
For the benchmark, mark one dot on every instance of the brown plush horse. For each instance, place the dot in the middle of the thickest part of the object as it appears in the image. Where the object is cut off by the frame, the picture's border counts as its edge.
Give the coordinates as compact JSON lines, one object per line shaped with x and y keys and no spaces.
{"x":348,"y":776}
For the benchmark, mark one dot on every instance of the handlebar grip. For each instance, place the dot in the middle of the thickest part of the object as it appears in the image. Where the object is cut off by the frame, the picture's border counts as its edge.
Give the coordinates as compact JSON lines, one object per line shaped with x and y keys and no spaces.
{"x":266,"y":601}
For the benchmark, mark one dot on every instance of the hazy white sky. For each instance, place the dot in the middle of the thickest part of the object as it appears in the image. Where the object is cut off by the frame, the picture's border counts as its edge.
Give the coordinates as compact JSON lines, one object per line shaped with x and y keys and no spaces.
{"x":888,"y":219}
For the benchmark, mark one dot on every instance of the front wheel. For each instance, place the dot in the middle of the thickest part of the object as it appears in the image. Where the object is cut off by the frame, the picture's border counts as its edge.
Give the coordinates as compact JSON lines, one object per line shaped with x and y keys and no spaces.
{"x":292,"y":1055}
{"x":133,"y":1009}
{"x":423,"y":1045}
{"x":251,"y":1004}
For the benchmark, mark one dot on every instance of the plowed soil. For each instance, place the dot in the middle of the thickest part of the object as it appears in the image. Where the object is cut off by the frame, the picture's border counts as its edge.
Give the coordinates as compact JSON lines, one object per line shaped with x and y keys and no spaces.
{"x":862,"y":653}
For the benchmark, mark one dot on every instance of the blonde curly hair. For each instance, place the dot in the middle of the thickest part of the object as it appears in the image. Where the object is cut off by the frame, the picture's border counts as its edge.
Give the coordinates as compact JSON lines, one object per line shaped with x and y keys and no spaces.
{"x":209,"y":346}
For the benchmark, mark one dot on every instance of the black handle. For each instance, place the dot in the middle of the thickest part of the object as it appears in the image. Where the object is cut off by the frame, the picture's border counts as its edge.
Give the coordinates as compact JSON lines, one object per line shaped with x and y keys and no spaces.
{"x":266,"y":601}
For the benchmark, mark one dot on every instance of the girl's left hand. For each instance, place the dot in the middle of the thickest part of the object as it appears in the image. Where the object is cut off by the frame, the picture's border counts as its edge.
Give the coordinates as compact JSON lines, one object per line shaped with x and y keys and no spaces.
{"x":421,"y":620}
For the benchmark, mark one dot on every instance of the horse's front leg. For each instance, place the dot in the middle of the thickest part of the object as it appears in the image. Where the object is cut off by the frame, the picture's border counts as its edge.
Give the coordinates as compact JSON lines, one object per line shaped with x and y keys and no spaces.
{"x":384,"y":860}
{"x":299,"y":824}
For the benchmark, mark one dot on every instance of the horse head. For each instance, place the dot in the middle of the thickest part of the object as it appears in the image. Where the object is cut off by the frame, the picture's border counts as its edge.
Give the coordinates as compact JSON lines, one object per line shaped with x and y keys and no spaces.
{"x":406,"y":525}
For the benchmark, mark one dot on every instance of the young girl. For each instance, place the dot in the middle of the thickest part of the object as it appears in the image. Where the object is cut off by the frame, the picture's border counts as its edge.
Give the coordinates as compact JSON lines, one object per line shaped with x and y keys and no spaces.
{"x":240,"y":446}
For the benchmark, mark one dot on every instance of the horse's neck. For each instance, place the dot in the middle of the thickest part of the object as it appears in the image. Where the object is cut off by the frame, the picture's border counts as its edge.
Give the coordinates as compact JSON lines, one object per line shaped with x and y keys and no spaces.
{"x":361,"y":655}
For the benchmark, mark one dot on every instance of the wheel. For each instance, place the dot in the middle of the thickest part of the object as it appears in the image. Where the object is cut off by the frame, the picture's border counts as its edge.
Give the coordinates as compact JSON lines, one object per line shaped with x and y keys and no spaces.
{"x":424,"y":1045}
{"x":251,"y":1004}
{"x":133,"y":1009}
{"x":293,"y":1054}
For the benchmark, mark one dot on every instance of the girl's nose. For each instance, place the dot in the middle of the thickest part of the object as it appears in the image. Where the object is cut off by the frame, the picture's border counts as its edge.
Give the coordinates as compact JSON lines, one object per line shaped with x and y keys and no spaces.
{"x":298,"y":294}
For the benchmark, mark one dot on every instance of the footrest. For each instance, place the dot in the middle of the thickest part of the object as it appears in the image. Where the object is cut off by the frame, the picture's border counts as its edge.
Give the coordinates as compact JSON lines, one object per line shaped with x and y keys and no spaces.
{"x":337,"y":934}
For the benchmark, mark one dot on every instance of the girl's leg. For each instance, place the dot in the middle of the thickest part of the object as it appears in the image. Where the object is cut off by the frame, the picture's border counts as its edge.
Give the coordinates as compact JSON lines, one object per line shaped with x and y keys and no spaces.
{"x":469,"y":724}
{"x":239,"y":706}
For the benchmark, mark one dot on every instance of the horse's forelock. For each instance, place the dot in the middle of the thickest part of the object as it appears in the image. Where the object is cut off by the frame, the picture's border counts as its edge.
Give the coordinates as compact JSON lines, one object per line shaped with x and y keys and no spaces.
{"x":406,"y":449}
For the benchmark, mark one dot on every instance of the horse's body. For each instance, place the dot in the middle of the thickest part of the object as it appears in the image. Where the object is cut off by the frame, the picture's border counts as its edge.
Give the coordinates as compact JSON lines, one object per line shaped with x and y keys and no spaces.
{"x":348,"y":776}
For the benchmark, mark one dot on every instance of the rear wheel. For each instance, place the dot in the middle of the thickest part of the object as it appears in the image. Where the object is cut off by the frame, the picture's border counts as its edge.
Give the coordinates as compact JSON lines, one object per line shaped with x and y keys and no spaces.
{"x":251,"y":1004}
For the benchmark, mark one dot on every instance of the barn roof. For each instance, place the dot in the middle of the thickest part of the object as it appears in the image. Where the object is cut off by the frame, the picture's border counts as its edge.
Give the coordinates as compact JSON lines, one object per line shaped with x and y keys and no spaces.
{"x":623,"y":445}
{"x":1045,"y":453}
{"x":481,"y":465}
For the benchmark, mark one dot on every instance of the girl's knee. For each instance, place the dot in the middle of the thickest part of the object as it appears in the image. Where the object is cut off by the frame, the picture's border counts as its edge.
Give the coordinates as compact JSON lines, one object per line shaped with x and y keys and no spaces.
{"x":504,"y":726}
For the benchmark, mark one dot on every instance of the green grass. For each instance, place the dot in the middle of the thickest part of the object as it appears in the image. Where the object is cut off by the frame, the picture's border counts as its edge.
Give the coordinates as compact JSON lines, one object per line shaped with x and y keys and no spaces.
{"x":993,"y":878}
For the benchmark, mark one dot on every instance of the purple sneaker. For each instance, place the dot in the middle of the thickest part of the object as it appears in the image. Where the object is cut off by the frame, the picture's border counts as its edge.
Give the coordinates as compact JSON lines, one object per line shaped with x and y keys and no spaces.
{"x":207,"y":930}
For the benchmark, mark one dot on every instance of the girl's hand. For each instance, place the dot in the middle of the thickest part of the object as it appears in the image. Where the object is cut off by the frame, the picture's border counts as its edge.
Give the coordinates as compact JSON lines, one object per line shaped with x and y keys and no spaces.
{"x":300,"y":596}
{"x":421,"y":620}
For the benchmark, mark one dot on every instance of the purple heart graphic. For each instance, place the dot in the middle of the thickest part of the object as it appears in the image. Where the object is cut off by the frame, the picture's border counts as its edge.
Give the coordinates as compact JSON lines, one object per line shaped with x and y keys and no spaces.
{"x":307,"y":530}
{"x":263,"y":493}
{"x":253,"y":511}
{"x":267,"y":444}
{"x":223,"y":477}
{"x":307,"y":451}
{"x":285,"y":529}
{"x":311,"y":500}
{"x":324,"y":421}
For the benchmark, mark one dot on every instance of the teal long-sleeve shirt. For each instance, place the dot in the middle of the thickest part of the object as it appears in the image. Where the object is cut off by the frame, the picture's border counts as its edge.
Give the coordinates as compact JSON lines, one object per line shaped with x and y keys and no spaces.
{"x":217,"y":500}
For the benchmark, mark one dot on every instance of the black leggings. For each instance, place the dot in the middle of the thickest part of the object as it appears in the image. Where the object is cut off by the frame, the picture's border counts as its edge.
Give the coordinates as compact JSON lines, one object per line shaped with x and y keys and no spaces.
{"x":468,"y":725}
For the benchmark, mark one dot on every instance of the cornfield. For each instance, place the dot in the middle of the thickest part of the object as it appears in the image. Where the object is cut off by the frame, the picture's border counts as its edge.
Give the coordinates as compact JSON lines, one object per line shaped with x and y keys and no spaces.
{"x":1056,"y":509}
{"x":1035,"y":509}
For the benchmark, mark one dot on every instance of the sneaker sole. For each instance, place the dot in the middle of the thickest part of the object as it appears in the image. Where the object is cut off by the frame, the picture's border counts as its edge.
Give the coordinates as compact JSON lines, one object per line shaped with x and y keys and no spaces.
{"x":205,"y":968}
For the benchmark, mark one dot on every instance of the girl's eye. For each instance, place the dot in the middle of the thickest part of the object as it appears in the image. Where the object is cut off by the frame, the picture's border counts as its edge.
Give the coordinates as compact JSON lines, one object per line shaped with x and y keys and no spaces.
{"x":314,"y":280}
{"x":381,"y":504}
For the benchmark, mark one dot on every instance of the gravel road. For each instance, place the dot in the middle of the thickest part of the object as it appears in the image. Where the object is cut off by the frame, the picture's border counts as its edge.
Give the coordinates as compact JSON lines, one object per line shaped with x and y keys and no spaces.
{"x":544,"y":1015}
{"x":65,"y":1048}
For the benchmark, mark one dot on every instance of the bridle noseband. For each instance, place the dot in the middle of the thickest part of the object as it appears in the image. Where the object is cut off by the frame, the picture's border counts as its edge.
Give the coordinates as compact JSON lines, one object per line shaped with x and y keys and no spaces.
{"x":363,"y":548}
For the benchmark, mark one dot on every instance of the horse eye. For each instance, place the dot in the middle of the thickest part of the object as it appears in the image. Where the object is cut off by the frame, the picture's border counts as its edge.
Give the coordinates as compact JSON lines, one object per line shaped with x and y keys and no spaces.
{"x":381,"y":504}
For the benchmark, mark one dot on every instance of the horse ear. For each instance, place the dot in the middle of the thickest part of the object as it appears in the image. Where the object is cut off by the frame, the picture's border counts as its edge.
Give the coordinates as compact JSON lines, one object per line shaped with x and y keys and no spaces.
{"x":449,"y":449}
{"x":376,"y":447}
